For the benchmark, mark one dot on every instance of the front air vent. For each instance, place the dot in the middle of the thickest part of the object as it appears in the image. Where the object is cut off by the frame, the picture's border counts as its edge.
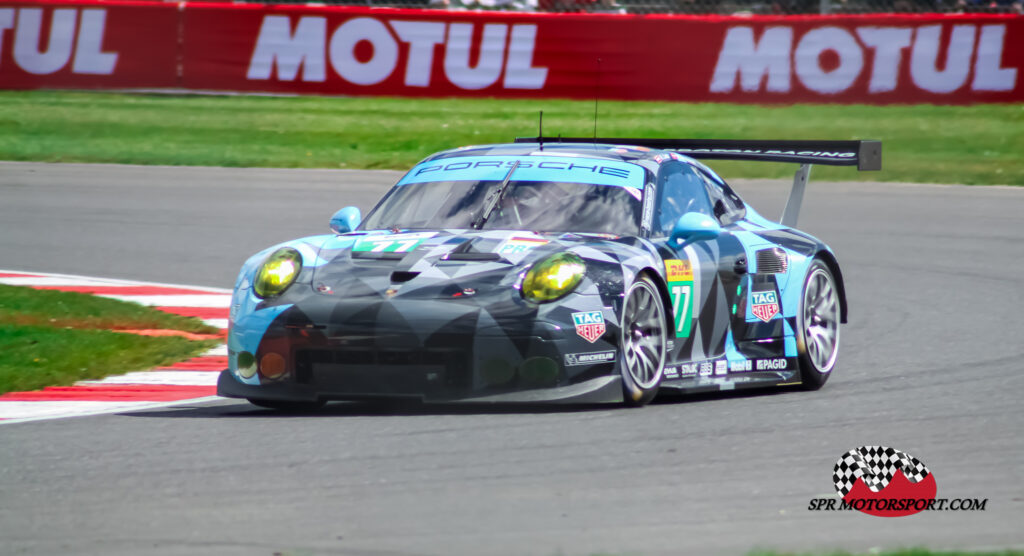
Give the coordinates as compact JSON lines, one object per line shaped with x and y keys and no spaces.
{"x":380,"y":256}
{"x":469,"y":251}
{"x":453,"y":256}
{"x":771,"y":261}
{"x":399,"y":276}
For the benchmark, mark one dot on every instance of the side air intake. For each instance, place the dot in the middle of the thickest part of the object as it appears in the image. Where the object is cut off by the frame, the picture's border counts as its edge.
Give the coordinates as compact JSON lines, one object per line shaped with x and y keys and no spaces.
{"x":771,"y":261}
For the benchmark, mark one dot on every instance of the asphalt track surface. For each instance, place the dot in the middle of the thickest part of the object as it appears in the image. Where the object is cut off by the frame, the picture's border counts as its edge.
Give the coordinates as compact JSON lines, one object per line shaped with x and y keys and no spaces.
{"x":930,"y":363}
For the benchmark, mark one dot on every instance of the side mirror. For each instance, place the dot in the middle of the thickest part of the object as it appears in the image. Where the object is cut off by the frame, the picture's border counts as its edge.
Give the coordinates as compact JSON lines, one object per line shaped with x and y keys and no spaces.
{"x":346,"y":220}
{"x":693,"y":226}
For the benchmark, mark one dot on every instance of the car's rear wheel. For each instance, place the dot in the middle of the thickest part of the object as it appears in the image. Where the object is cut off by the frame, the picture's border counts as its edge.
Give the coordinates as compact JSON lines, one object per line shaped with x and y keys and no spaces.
{"x":818,"y":326}
{"x":287,"y":405}
{"x":642,"y":342}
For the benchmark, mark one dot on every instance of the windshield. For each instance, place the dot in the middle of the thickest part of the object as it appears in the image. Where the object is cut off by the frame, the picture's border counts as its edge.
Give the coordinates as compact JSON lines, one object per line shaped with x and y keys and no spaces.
{"x":552,"y":194}
{"x":536,"y":206}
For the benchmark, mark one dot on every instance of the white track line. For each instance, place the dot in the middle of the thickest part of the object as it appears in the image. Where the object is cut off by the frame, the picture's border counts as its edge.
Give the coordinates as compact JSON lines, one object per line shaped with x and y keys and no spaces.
{"x":219,"y":351}
{"x":20,"y":412}
{"x":199,"y":300}
{"x":50,"y":281}
{"x":116,"y":281}
{"x":169,"y":378}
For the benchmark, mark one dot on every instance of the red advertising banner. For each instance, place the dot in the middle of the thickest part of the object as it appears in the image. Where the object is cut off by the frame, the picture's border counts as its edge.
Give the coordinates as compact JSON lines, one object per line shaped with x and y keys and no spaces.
{"x":874,"y":59}
{"x":88,"y":45}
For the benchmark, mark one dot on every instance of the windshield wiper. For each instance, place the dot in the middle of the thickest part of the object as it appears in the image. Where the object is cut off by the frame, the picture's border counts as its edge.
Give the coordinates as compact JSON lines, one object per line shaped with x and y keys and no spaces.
{"x":496,"y":196}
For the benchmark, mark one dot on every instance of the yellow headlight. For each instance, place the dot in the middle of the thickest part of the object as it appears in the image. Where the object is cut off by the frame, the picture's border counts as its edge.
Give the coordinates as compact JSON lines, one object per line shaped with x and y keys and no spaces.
{"x":553,"y":278}
{"x":277,"y":272}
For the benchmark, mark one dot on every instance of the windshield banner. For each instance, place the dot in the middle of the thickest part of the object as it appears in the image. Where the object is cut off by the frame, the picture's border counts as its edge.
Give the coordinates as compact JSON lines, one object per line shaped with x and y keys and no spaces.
{"x":350,"y":50}
{"x":531,"y":168}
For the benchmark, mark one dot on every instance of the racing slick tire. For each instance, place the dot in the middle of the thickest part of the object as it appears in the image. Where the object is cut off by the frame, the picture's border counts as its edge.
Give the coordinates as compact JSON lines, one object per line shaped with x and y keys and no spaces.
{"x":287,"y":405}
{"x":642,"y":342}
{"x":817,"y":336}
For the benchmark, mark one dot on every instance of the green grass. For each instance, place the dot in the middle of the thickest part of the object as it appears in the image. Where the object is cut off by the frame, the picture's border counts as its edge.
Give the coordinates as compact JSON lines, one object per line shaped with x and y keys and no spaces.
{"x":51,"y":338}
{"x":39,"y":356}
{"x":27,"y":306}
{"x":922,"y":143}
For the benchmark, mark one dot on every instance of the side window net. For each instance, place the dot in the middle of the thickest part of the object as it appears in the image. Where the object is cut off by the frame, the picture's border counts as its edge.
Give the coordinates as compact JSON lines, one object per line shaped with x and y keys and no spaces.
{"x":728,"y":206}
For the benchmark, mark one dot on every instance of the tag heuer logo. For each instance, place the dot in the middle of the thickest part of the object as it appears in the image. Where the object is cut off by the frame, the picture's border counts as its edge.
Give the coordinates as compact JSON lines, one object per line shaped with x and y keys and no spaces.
{"x":764,"y":305}
{"x":589,"y":325}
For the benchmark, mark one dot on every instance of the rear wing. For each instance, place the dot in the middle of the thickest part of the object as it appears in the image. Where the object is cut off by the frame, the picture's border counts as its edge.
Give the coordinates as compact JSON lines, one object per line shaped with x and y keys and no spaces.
{"x":865,"y":155}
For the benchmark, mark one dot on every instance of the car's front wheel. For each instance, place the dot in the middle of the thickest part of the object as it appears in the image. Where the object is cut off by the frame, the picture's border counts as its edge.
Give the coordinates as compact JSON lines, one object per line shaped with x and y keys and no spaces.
{"x":642,"y":342}
{"x":818,"y":326}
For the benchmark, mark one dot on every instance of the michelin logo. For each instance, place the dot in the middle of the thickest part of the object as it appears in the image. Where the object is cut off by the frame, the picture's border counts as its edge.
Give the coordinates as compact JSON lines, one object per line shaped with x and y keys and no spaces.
{"x":577,"y":359}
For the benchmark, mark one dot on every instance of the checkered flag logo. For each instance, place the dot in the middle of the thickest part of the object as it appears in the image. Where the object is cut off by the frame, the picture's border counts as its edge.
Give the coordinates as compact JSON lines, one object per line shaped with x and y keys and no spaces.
{"x":876,"y":466}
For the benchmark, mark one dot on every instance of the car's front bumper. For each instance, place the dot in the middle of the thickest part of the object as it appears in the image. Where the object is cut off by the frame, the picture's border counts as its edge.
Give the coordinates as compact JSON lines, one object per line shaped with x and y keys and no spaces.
{"x":605,"y":389}
{"x":425,"y":350}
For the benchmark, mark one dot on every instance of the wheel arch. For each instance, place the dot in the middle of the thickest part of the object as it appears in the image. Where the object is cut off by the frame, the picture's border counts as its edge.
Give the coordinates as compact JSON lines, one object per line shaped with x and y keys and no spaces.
{"x":659,"y":283}
{"x":830,"y":261}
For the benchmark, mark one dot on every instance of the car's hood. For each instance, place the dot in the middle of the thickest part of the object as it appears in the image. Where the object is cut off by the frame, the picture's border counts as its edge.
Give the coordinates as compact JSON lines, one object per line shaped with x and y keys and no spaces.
{"x":430,"y":264}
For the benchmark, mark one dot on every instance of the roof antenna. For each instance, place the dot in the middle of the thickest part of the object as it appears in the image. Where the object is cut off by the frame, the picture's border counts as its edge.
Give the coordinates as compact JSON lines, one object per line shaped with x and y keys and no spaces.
{"x":540,"y":130}
{"x":597,"y":92}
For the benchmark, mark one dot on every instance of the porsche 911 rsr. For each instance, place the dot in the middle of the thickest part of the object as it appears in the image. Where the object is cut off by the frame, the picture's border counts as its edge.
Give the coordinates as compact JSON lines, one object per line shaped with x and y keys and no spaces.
{"x":544,"y":270}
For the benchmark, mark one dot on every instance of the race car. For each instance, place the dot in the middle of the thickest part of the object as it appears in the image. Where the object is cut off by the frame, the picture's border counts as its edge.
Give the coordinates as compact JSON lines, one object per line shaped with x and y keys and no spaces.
{"x":548,"y":270}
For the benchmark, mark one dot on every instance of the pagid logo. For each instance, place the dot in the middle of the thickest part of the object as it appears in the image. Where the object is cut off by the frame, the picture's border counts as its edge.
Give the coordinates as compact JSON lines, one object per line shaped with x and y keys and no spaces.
{"x":883,"y":481}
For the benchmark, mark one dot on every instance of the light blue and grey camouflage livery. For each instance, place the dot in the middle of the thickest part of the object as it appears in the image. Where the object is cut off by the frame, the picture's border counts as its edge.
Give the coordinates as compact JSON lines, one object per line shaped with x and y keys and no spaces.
{"x":543,"y":272}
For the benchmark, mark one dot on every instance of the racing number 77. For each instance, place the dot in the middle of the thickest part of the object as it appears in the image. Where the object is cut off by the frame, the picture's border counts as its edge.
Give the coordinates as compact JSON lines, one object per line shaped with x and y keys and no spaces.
{"x":681,"y":308}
